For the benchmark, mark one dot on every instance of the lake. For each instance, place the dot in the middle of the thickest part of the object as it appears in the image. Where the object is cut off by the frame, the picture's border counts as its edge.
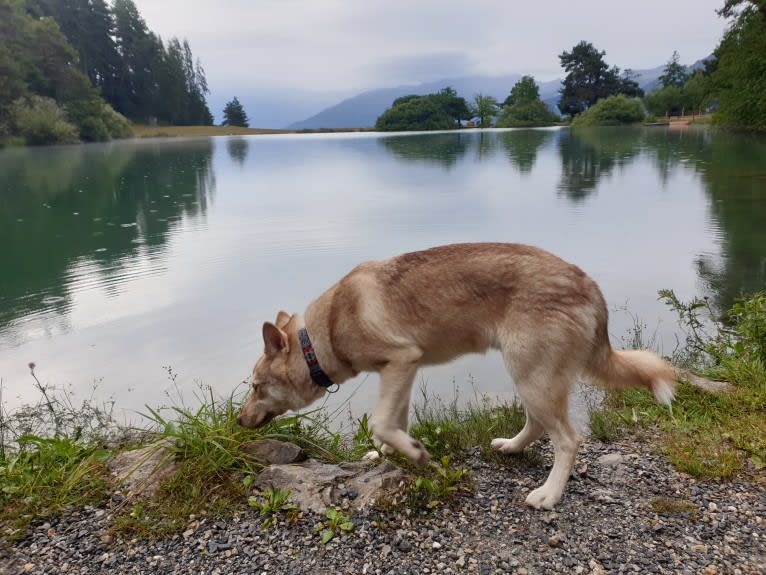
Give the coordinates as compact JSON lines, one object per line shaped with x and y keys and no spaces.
{"x":141,"y":271}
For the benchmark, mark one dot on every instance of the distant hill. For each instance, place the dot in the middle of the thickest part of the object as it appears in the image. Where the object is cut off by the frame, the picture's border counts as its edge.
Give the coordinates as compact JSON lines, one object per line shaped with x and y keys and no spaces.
{"x":362,"y":110}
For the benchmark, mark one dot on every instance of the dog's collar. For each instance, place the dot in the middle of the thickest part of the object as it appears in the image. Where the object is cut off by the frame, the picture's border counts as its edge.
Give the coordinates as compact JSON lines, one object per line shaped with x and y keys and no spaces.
{"x":318,"y":376}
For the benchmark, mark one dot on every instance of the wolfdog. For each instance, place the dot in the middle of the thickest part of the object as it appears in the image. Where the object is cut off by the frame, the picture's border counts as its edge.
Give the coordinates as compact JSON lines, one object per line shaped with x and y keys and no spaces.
{"x":546,"y":316}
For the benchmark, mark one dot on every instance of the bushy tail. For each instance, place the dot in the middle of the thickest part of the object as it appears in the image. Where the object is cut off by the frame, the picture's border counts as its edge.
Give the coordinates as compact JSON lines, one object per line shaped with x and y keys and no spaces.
{"x":614,"y":369}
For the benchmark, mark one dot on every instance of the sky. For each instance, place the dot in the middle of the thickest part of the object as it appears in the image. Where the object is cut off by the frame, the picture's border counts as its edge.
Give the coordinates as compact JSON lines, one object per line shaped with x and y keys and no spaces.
{"x":313,"y":53}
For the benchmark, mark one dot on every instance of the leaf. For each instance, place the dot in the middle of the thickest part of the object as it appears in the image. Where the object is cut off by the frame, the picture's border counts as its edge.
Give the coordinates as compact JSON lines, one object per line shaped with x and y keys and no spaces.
{"x":327,"y":534}
{"x":347,"y":526}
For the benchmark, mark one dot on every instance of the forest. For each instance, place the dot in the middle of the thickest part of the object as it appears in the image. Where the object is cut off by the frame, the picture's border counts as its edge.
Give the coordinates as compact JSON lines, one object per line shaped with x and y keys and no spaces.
{"x":82,"y":70}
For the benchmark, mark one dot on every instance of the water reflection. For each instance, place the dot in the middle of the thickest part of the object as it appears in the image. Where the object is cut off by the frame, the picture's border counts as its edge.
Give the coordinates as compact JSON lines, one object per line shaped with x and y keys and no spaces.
{"x":522,"y":147}
{"x":730,"y":166}
{"x":196,"y":270}
{"x":441,"y":149}
{"x":97,"y":205}
{"x":734,"y":173}
{"x":587,"y":156}
{"x":238,"y":149}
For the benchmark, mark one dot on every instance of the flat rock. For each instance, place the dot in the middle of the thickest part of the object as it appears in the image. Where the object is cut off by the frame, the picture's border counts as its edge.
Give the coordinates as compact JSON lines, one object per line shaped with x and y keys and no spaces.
{"x":278,"y":452}
{"x":705,"y":384}
{"x":314,"y":485}
{"x":140,"y":471}
{"x":611,"y":459}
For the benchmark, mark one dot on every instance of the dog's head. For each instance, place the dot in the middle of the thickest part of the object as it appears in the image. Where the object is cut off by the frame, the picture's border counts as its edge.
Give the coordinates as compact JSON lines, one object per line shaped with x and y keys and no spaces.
{"x":281,"y":379}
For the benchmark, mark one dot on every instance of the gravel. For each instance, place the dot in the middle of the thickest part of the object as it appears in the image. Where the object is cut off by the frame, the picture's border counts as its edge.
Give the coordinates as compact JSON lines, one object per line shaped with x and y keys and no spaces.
{"x":605,"y":523}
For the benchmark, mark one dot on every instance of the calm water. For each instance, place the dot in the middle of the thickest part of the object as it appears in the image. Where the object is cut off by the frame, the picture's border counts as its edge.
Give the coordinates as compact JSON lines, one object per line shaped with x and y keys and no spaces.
{"x":121,"y":261}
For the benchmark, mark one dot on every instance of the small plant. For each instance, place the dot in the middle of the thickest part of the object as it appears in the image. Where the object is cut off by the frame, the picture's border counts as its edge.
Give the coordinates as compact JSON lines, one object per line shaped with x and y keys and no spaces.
{"x":604,"y":423}
{"x":441,"y":485}
{"x":453,"y":430}
{"x":336,"y":522}
{"x":273,"y":502}
{"x":668,"y":506}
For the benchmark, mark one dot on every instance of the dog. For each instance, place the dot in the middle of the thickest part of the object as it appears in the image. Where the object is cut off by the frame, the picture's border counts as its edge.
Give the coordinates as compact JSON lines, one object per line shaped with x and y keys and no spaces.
{"x":546,"y":316}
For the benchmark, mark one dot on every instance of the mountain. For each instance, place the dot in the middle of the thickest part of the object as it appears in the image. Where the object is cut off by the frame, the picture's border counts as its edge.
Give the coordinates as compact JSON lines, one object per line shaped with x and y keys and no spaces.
{"x":363,"y":109}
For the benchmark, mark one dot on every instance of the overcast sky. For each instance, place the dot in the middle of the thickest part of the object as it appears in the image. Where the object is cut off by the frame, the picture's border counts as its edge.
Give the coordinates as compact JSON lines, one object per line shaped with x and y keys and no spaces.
{"x":343,"y":47}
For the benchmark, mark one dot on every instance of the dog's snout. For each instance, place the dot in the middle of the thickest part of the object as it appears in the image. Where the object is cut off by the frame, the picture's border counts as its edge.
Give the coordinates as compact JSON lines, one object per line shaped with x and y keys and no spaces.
{"x":239,"y":420}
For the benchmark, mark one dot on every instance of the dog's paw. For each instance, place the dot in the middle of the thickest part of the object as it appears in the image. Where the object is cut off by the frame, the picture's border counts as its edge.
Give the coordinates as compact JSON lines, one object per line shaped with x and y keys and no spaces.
{"x":422,"y":457}
{"x":542,"y":498}
{"x":505,"y":445}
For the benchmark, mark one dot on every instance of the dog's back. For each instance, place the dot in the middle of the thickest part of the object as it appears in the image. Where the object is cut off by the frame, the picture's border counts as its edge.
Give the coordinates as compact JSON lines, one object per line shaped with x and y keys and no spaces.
{"x":465,"y":298}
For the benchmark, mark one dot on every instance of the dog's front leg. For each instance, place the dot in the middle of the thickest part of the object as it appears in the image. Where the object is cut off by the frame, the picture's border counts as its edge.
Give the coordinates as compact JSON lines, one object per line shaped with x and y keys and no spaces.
{"x":391,"y":412}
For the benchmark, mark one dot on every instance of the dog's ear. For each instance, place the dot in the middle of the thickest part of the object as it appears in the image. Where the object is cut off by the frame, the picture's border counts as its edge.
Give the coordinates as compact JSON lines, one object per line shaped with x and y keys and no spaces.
{"x":274,"y":339}
{"x":283,"y":318}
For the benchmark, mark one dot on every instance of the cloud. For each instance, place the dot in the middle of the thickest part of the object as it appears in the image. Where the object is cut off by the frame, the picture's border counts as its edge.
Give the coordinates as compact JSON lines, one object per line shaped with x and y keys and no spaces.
{"x":344,"y":47}
{"x":420,"y":68}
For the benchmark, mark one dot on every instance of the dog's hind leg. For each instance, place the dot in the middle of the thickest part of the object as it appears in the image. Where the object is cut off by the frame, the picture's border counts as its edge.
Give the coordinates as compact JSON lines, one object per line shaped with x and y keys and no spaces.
{"x":532,"y":431}
{"x":545,"y":397}
{"x":392,"y":408}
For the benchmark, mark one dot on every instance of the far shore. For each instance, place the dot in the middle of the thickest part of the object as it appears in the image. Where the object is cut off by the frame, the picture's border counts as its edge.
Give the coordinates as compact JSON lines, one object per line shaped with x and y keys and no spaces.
{"x":143,"y":131}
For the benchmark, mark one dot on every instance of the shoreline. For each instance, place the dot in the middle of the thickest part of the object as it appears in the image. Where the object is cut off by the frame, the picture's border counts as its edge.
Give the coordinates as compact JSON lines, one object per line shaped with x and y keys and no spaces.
{"x":624,"y":510}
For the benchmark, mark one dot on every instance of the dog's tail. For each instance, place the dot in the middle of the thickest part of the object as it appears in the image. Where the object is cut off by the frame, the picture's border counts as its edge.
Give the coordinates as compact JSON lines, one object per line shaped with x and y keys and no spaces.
{"x":613,"y":369}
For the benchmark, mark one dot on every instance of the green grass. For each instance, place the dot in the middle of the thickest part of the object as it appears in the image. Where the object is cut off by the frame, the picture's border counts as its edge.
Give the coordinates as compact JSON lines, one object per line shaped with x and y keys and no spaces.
{"x":708,"y":434}
{"x":451,"y":429}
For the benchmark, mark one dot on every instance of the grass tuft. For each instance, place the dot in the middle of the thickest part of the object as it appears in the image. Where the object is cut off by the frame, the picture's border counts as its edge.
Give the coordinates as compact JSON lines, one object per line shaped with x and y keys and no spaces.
{"x":452,"y":430}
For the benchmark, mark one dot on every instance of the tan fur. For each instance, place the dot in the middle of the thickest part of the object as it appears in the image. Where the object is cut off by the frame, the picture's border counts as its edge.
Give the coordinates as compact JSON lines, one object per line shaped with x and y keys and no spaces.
{"x":547,"y":318}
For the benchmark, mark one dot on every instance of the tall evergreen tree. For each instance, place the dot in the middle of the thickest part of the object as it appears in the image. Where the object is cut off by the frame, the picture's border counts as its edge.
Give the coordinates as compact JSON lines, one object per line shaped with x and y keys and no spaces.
{"x":674,"y":73}
{"x":590,"y":79}
{"x":234,"y":114}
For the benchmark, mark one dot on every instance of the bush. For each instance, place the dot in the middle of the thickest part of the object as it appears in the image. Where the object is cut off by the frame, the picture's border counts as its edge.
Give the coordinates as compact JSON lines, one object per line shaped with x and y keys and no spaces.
{"x":40,"y":121}
{"x":97,"y":121}
{"x":415,"y":113}
{"x":612,"y":111}
{"x":527,"y":115}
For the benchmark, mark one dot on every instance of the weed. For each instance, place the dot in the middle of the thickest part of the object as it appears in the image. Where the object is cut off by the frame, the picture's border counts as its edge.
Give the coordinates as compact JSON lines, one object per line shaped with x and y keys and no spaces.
{"x":427,"y":487}
{"x":335,"y":522}
{"x":452,"y":430}
{"x":272,"y":503}
{"x":668,"y":506}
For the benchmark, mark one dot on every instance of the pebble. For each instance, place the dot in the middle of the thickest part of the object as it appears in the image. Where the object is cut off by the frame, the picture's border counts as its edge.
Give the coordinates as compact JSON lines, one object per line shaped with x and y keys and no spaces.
{"x":604,"y":524}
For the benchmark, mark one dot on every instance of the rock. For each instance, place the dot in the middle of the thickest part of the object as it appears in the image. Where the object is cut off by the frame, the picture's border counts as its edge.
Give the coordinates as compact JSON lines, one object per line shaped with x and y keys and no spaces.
{"x":314,"y":486}
{"x":275,"y":452}
{"x":611,"y":459}
{"x":705,"y":384}
{"x":141,"y":471}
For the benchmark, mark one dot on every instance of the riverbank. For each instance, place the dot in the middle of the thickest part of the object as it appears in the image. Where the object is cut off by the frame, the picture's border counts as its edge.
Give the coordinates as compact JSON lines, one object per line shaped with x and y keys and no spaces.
{"x":143,"y":131}
{"x":625,"y":509}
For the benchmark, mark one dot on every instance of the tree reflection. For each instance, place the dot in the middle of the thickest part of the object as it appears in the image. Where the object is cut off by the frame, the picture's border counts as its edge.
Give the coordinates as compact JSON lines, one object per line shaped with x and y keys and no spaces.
{"x":589,"y":154}
{"x":441,"y":149}
{"x":734,"y":173}
{"x":238,"y":149}
{"x":103,"y":204}
{"x":522,"y":146}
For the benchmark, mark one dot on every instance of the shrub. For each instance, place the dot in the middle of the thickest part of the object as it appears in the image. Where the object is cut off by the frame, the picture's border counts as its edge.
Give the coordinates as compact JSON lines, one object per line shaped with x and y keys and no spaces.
{"x":527,"y":115}
{"x":40,"y":121}
{"x":612,"y":111}
{"x":97,"y":121}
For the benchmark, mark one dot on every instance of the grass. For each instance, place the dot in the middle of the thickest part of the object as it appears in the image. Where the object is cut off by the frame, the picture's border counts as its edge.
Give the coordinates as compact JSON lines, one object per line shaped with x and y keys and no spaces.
{"x":144,"y":131}
{"x":451,"y":429}
{"x":706,"y":434}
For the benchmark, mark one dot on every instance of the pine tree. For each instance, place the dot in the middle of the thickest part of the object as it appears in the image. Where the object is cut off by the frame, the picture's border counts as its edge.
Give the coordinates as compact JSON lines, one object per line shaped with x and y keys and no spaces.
{"x":234,"y":114}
